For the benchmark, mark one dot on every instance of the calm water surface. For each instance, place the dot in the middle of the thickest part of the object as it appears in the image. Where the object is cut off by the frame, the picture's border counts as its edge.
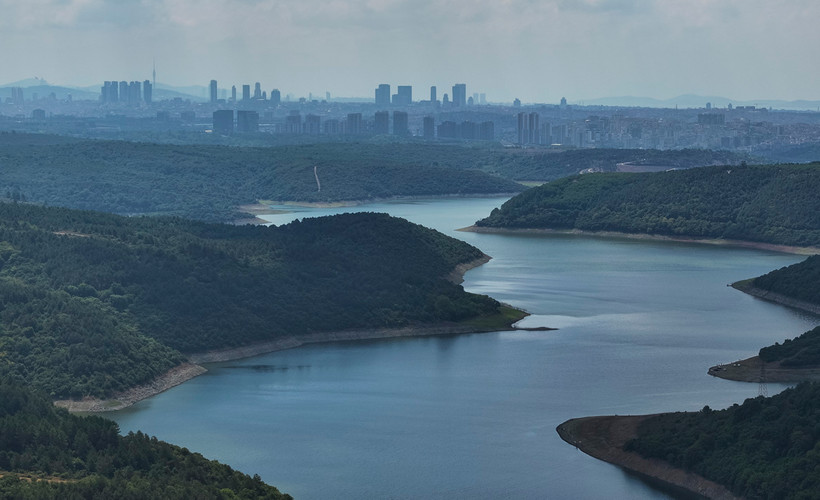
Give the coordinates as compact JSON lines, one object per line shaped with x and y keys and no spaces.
{"x":474,"y":416}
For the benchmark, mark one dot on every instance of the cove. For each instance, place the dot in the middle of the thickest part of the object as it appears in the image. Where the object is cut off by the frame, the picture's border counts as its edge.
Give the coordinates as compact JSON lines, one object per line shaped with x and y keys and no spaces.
{"x":639,"y":324}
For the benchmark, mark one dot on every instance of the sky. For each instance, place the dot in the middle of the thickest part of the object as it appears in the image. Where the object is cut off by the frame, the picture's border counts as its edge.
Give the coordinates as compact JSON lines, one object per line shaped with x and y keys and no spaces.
{"x":534,"y":50}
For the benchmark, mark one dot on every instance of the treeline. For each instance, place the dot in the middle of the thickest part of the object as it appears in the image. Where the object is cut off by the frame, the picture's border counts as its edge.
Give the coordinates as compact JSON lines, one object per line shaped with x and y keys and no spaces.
{"x":800,"y":281}
{"x":46,"y":453}
{"x":208,"y":182}
{"x":772,"y":204}
{"x":795,"y":353}
{"x":764,"y":448}
{"x":94,"y":303}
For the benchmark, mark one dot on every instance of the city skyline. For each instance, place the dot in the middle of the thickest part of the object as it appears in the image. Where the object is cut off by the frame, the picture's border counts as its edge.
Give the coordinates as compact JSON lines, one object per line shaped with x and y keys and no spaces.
{"x":534,"y":51}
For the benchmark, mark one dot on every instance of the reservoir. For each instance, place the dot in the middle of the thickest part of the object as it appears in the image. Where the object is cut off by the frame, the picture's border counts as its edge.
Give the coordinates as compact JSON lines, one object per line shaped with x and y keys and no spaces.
{"x":474,"y":416}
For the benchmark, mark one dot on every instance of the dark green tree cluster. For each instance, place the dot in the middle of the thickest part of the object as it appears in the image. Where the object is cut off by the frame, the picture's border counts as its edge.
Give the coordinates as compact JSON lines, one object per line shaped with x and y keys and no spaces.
{"x":62,"y":456}
{"x":773,"y":204}
{"x":795,"y":353}
{"x":767,"y":448}
{"x":799,"y":281}
{"x":93,"y":303}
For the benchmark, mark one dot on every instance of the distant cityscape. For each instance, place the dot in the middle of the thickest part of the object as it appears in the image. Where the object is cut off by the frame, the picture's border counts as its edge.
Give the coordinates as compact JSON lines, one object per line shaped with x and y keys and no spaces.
{"x":456,"y":116}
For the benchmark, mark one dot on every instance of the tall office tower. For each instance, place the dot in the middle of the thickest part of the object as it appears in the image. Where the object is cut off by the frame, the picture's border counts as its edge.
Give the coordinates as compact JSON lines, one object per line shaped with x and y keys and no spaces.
{"x":123,"y":91}
{"x":445,"y":99}
{"x":223,"y":121}
{"x":313,"y":124}
{"x":475,"y":98}
{"x":354,"y":123}
{"x":404,"y":95}
{"x":400,"y":123}
{"x":246,"y":93}
{"x":147,"y":91}
{"x":275,"y":97}
{"x":247,"y":121}
{"x":429,"y":127}
{"x":460,"y":94}
{"x":233,"y":93}
{"x":257,"y":91}
{"x":482,"y":99}
{"x":383,"y":95}
{"x":213,"y":91}
{"x":381,"y":122}
{"x":433,"y":94}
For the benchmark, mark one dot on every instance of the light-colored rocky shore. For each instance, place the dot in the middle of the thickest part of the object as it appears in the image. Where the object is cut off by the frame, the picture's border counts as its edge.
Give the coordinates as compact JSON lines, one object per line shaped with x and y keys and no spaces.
{"x":746,"y":286}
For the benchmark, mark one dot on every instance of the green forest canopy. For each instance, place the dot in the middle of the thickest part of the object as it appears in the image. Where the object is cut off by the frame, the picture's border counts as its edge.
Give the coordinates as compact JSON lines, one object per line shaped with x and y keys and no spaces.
{"x":799,"y":281}
{"x":85,"y":457}
{"x":764,"y":448}
{"x":772,"y":204}
{"x":93,"y":303}
{"x":208,"y":182}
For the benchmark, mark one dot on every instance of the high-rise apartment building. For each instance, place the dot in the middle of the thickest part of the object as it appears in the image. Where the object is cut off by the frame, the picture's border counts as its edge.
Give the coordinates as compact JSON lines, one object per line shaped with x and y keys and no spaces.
{"x":223,"y":121}
{"x":213,"y":91}
{"x":233,"y":93}
{"x":460,"y":94}
{"x":383,"y":95}
{"x":247,"y":121}
{"x":246,"y":93}
{"x":147,"y":91}
{"x":403,"y":96}
{"x":354,"y":124}
{"x":400,"y":123}
{"x":528,"y":128}
{"x":381,"y":123}
{"x":429,"y":126}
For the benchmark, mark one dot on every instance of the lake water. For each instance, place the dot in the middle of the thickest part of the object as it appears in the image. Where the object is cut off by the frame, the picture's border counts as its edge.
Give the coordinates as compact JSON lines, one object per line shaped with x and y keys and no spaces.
{"x":474,"y":416}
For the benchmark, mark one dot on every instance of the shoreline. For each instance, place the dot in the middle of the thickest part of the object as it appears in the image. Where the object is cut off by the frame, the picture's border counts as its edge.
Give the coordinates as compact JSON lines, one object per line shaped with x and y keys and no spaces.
{"x":604,"y":437}
{"x":650,"y":237}
{"x":192,"y":368}
{"x":746,"y":287}
{"x":756,"y":371}
{"x":264,"y":207}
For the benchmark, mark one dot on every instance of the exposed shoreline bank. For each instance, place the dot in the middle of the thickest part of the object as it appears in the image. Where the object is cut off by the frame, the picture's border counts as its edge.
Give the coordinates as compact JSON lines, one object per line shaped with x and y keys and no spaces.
{"x":746,"y":286}
{"x":186,"y":371}
{"x":604,"y":437}
{"x":651,"y":237}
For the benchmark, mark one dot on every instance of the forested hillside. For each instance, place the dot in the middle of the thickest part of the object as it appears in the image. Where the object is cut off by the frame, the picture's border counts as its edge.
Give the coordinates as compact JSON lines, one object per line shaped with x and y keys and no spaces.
{"x":799,"y":281}
{"x":772,"y":204}
{"x":208,"y":182}
{"x":93,"y":303}
{"x":46,"y":453}
{"x":764,"y":448}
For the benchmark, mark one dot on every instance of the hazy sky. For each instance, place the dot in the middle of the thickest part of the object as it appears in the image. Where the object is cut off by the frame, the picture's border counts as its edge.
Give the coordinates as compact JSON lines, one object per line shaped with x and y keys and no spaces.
{"x":537,"y":50}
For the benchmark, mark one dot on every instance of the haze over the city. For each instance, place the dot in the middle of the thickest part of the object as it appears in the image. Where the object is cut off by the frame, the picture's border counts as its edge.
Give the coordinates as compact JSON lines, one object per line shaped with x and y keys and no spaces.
{"x":537,"y":51}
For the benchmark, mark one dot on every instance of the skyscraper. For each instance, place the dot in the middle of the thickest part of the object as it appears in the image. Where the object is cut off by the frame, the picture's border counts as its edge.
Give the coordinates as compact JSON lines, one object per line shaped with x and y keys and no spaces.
{"x":247,"y":121}
{"x":213,"y":91}
{"x":275,"y":97}
{"x":404,"y":95}
{"x":223,"y":121}
{"x":246,"y":93}
{"x":233,"y":93}
{"x":460,"y":94}
{"x":354,"y":123}
{"x":147,"y":91}
{"x":383,"y":94}
{"x":433,"y":94}
{"x":257,"y":91}
{"x":429,"y":127}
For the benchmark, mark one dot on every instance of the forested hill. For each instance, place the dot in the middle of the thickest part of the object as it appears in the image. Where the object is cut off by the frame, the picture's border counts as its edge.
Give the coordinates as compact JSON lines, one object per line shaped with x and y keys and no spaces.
{"x":764,"y":448}
{"x":208,"y":182}
{"x":773,"y":204}
{"x":93,"y":303}
{"x":46,"y":453}
{"x":799,"y":281}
